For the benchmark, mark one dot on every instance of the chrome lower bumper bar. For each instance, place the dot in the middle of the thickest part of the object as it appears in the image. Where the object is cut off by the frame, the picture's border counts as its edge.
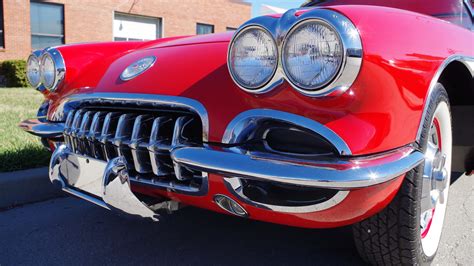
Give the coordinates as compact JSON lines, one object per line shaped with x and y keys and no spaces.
{"x":350,"y":173}
{"x":104,"y":184}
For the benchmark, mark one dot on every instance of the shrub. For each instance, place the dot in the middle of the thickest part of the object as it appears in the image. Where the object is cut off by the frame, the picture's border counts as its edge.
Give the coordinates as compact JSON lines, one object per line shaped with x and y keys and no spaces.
{"x":14,"y":72}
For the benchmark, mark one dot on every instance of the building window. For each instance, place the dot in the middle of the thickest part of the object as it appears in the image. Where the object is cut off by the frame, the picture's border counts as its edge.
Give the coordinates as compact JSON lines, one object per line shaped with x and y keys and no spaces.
{"x":47,"y":25}
{"x":136,"y":28}
{"x":231,"y":29}
{"x":204,"y":29}
{"x":2,"y":34}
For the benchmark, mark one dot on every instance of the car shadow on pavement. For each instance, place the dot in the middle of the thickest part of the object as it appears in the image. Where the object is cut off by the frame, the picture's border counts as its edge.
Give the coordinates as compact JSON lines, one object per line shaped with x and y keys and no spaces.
{"x":68,"y":231}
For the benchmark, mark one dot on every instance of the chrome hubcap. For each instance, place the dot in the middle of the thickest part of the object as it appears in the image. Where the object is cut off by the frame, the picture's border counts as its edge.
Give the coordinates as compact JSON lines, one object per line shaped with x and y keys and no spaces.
{"x":435,"y":178}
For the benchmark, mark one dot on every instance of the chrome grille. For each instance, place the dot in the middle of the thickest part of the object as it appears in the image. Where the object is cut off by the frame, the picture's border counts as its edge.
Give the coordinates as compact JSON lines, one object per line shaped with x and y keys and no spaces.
{"x":144,"y":138}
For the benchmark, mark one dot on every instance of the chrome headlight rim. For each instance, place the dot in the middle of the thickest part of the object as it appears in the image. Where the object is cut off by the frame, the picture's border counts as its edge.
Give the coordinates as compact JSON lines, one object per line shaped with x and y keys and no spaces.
{"x":36,"y":55}
{"x":352,"y":52}
{"x":317,"y":90}
{"x":272,"y":79}
{"x":59,"y":68}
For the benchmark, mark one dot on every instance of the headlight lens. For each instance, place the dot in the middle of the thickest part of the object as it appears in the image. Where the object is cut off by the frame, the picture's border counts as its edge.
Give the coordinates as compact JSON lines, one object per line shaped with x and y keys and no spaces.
{"x":33,"y":71}
{"x":253,"y":58}
{"x":312,"y":55}
{"x":48,"y":71}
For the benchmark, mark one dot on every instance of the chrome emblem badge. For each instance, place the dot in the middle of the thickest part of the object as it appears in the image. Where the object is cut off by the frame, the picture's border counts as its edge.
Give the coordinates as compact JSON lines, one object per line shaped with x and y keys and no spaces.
{"x":137,"y":68}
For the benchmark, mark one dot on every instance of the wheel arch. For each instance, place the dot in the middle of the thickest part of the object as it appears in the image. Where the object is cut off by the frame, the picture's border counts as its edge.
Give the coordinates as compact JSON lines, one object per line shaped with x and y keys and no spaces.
{"x":456,"y":74}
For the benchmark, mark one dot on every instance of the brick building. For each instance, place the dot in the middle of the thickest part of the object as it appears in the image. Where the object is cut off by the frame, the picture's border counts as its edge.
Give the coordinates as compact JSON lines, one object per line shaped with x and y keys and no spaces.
{"x":28,"y":25}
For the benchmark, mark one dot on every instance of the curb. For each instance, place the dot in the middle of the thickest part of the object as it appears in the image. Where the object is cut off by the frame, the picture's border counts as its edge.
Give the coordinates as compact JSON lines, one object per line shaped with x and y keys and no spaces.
{"x":27,"y":186}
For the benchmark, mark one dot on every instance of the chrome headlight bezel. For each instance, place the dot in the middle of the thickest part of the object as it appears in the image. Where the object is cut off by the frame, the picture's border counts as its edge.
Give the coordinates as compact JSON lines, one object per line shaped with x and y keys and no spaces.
{"x":263,"y":87}
{"x":281,"y":28}
{"x":59,"y":68}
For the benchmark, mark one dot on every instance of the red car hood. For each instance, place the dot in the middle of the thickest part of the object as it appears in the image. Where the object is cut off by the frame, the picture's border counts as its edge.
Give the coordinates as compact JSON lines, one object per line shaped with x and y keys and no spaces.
{"x":211,"y":38}
{"x":182,"y":65}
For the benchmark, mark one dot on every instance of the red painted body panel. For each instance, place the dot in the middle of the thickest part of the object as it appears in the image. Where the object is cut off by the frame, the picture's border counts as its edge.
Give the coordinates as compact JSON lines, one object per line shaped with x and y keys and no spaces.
{"x":380,"y":112}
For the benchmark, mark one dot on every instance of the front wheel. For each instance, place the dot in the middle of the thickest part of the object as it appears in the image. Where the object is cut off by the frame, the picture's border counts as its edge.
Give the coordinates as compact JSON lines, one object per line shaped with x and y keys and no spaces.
{"x":408,"y":231}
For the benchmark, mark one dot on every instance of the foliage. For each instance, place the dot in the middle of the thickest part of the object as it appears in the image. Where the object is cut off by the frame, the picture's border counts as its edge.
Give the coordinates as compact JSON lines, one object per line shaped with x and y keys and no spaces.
{"x":14,"y":72}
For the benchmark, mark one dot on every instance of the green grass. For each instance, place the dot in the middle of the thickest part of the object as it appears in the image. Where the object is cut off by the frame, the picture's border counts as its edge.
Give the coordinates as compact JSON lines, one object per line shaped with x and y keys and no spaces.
{"x":18,"y":149}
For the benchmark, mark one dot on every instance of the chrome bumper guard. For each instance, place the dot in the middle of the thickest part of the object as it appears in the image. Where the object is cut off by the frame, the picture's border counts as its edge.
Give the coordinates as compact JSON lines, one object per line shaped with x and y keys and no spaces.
{"x":104,"y":184}
{"x":343,"y":173}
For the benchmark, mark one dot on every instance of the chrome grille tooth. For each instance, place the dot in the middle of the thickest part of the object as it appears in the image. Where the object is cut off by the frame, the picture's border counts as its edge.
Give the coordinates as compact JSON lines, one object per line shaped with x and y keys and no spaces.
{"x":178,"y":141}
{"x":94,"y":134}
{"x":74,"y":129}
{"x":106,"y":136}
{"x":67,"y":129}
{"x":123,"y":135}
{"x":70,"y":117}
{"x":95,"y":127}
{"x":140,"y":160}
{"x":177,"y":138}
{"x":83,"y":146}
{"x":157,"y":165}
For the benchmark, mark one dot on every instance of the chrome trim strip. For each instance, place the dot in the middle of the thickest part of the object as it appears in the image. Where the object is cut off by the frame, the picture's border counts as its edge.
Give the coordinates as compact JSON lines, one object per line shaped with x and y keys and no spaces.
{"x":280,"y":28}
{"x":341,"y":173}
{"x":42,"y":129}
{"x":468,"y":61}
{"x":249,"y":120}
{"x":74,"y":101}
{"x":234,"y":185}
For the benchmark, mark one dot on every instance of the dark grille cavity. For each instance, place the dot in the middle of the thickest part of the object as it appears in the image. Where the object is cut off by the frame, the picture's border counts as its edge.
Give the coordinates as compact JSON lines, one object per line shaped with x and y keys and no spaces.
{"x":144,"y":138}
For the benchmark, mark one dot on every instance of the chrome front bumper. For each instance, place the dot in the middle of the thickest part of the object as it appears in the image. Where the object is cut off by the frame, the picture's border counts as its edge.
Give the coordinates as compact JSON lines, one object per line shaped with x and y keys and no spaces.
{"x":343,"y":174}
{"x":107,"y":184}
{"x":104,"y":184}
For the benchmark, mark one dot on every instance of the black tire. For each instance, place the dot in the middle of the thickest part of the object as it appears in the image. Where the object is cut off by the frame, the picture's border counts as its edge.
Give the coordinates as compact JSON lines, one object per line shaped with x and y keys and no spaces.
{"x":393,"y":236}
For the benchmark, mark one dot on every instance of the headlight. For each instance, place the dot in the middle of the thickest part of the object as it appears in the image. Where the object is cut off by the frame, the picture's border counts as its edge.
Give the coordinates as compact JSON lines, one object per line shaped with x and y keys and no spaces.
{"x":52,"y":69}
{"x":33,"y":70}
{"x":312,"y":55}
{"x":48,"y":71}
{"x":253,"y":58}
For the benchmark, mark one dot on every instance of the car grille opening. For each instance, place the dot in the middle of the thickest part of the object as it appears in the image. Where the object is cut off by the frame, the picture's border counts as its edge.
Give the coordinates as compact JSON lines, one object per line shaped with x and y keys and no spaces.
{"x":144,"y":137}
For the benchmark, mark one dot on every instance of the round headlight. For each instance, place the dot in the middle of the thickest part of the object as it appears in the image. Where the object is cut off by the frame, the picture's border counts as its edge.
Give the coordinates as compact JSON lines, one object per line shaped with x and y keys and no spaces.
{"x":33,"y":71}
{"x":312,"y":55}
{"x":253,"y":58}
{"x":48,"y":71}
{"x":53,"y":69}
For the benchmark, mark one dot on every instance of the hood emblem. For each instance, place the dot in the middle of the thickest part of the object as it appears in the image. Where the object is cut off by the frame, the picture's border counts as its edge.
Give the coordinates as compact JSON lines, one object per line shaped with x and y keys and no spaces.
{"x":137,"y":68}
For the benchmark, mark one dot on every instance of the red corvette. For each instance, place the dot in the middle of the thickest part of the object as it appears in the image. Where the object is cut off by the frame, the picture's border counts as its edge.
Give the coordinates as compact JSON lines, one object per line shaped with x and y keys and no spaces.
{"x":336,"y":113}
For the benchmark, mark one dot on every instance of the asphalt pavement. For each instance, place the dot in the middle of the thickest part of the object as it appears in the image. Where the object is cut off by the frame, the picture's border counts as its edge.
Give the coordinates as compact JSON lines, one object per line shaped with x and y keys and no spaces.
{"x":68,"y":231}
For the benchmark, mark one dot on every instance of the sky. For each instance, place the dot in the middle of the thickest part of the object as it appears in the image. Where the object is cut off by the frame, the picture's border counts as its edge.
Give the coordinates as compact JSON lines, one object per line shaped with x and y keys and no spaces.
{"x":287,"y":4}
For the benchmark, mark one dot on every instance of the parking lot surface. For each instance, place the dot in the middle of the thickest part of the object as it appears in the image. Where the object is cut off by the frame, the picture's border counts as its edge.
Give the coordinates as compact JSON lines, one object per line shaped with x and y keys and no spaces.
{"x":68,"y":231}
